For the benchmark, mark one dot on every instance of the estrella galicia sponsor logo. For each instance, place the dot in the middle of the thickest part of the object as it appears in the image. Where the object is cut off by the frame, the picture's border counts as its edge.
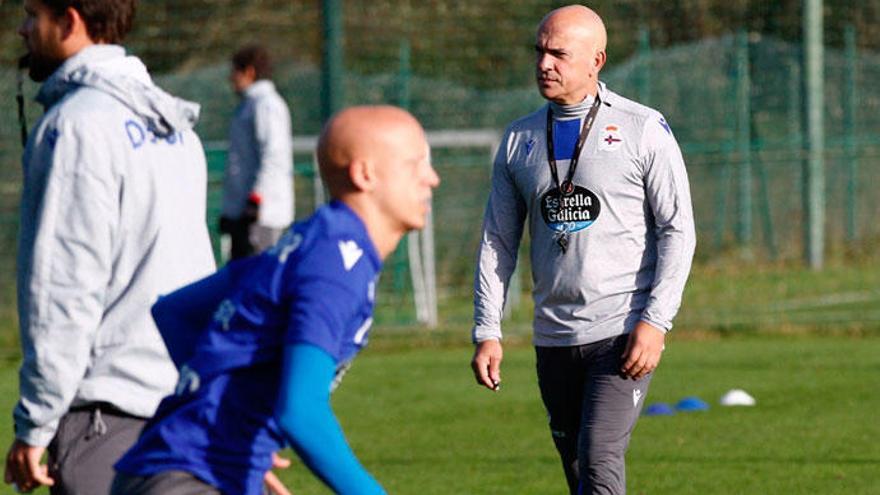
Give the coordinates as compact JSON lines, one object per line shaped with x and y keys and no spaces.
{"x":571,"y":212}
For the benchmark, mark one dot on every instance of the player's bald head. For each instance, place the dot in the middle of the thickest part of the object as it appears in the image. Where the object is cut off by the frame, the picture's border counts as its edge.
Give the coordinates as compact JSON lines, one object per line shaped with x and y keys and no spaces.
{"x":577,"y":21}
{"x":362,"y":134}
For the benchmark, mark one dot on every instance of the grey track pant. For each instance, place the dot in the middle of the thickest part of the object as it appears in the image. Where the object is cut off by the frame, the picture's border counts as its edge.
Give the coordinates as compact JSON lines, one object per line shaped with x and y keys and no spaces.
{"x":88,"y":442}
{"x":592,"y":410}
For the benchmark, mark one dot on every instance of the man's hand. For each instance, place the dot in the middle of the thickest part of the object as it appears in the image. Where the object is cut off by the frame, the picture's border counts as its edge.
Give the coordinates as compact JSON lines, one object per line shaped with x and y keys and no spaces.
{"x":643,"y":350}
{"x":273,"y":484}
{"x":487,"y":364}
{"x":23,"y":468}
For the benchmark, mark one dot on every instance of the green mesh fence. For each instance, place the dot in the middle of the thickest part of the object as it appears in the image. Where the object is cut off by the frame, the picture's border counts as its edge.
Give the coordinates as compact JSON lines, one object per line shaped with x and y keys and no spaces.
{"x":726,"y":75}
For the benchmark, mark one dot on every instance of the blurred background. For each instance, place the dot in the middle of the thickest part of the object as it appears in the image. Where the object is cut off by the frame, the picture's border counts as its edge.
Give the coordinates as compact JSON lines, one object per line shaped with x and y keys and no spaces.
{"x":729,"y":75}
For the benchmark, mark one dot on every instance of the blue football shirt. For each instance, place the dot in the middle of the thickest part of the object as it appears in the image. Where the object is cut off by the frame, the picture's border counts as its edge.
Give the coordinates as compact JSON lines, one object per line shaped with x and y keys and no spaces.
{"x":316,"y":287}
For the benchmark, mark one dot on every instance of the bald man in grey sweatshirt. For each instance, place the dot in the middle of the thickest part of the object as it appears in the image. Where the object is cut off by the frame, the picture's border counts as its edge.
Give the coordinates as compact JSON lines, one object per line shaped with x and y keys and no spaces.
{"x":603,"y":186}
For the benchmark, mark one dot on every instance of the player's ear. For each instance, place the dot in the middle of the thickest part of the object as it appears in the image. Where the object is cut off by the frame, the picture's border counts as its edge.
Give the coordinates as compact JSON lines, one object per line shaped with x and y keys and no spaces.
{"x":362,"y":174}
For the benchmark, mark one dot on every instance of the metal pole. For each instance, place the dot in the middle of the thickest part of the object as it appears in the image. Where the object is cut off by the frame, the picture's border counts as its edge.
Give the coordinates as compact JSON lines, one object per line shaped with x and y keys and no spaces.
{"x":850,"y":109}
{"x":744,"y":140}
{"x":404,"y":75}
{"x":332,"y":89}
{"x":644,"y":74}
{"x":430,"y":271}
{"x":814,"y":134}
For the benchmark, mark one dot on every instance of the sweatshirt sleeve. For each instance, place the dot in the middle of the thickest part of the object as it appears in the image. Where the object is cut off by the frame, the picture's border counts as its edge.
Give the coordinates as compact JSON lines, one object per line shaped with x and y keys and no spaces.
{"x":668,"y":193}
{"x":274,"y":142}
{"x":69,"y":272}
{"x":499,"y":244}
{"x":305,"y":417}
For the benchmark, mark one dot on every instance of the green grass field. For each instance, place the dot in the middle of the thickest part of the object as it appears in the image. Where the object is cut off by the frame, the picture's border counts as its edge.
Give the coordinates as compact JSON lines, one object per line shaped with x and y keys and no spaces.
{"x":418,"y":422}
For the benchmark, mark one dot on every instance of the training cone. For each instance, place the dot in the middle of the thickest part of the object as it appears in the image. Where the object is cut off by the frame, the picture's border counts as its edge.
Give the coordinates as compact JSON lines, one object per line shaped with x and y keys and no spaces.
{"x":691,"y":404}
{"x":737,"y":397}
{"x":659,"y":409}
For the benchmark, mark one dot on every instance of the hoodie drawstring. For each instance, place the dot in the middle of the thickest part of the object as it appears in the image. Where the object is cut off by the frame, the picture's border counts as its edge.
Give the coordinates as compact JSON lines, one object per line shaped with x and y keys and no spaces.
{"x":97,"y":427}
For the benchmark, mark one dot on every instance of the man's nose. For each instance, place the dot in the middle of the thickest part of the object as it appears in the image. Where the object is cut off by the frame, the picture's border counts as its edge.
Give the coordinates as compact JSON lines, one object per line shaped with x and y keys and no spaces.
{"x":544,"y":61}
{"x":433,"y":177}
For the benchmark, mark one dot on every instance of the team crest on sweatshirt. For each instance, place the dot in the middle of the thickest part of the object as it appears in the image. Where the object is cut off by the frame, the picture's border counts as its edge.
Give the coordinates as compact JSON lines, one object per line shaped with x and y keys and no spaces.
{"x":610,"y":139}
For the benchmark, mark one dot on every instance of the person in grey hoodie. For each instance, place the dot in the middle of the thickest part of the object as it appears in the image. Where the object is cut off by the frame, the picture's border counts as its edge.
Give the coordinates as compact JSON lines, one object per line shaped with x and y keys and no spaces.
{"x":112,"y":215}
{"x":258,"y":183}
{"x":603,"y":185}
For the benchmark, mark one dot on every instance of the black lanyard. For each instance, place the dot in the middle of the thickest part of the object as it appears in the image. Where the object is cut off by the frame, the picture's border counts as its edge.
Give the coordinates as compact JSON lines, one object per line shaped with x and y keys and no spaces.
{"x":567,"y":187}
{"x":23,"y":63}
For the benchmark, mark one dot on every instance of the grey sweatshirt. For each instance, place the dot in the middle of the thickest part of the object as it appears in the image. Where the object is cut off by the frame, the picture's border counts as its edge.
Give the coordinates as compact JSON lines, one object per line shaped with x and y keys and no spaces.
{"x":112,"y":215}
{"x":260,"y":157}
{"x":629,"y":225}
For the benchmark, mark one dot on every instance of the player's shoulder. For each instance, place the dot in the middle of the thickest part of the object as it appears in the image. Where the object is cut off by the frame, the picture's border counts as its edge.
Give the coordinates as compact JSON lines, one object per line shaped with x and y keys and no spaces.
{"x":266,"y":95}
{"x":530,"y":122}
{"x":333,"y":240}
{"x":630,"y":108}
{"x":333,"y":221}
{"x":86,"y":108}
{"x":649,"y":121}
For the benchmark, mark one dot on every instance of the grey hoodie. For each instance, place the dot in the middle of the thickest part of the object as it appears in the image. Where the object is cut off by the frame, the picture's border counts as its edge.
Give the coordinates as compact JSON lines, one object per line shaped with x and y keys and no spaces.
{"x":260,"y":157}
{"x":112,"y":215}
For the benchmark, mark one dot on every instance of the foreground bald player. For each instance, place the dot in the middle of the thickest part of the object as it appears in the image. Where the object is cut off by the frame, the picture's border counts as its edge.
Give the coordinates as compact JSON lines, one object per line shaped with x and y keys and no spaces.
{"x":603,"y":185}
{"x":261,"y":343}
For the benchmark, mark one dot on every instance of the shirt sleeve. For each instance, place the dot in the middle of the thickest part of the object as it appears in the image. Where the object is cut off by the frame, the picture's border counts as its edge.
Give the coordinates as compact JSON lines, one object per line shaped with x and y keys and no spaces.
{"x":499,"y":244}
{"x":306,"y":418}
{"x":274,"y":142}
{"x":70,"y":271}
{"x":182,"y":315}
{"x":668,"y":193}
{"x":326,"y":299}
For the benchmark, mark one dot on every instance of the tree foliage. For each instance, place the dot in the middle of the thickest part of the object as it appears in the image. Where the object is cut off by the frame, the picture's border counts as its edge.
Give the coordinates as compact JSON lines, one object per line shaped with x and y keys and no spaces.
{"x":481,"y":43}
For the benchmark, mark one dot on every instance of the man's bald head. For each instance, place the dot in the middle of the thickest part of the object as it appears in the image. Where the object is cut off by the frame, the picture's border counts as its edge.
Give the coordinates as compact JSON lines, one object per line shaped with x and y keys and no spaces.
{"x":377,"y":161}
{"x":570,"y":46}
{"x":359,"y":134}
{"x":582,"y":21}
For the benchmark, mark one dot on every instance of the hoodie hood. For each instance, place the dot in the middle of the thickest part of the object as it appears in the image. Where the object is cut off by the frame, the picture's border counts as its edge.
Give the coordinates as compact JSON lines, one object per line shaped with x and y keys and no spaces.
{"x":108,"y":69}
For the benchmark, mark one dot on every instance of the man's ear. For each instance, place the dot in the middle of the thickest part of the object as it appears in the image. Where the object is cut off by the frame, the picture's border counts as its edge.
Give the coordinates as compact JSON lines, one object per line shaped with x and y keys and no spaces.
{"x":599,"y":59}
{"x":251,"y":73}
{"x":72,"y":27}
{"x":362,"y":174}
{"x":70,"y":22}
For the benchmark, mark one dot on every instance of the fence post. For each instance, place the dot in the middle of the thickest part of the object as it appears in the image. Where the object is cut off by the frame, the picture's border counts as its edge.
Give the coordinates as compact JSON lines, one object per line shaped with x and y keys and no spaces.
{"x":332,"y":87}
{"x":743,"y":140}
{"x":419,"y":245}
{"x":850,"y":109}
{"x":404,"y":75}
{"x":644,"y":73}
{"x":795,"y":130}
{"x":814,"y":134}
